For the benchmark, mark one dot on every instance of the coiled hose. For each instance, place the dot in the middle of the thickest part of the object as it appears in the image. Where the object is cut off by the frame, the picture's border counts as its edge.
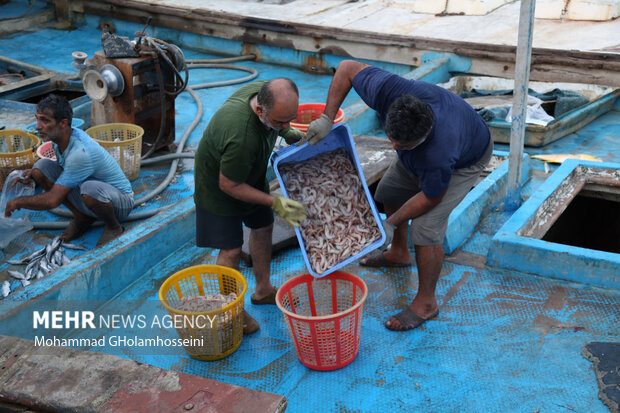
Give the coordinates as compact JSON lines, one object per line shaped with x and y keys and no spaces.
{"x":191,"y":64}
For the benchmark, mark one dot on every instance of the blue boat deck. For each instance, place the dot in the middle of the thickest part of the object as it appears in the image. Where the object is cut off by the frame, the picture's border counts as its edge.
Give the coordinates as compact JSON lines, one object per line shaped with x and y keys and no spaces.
{"x":504,"y":340}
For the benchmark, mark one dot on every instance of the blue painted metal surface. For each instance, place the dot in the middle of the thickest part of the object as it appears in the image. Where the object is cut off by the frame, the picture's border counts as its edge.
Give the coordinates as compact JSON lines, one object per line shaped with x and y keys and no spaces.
{"x":504,"y":339}
{"x":465,"y":217}
{"x":512,"y":250}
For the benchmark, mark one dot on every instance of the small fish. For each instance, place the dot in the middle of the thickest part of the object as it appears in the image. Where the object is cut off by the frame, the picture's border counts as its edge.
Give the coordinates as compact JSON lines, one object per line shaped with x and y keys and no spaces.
{"x":25,"y":283}
{"x":36,"y":254}
{"x":65,"y":259}
{"x":49,"y":251}
{"x":57,"y":258}
{"x":44,"y":261}
{"x":73,"y":246}
{"x":32,"y":269}
{"x":45,"y":266}
{"x":17,"y":274}
{"x":53,"y":247}
{"x":53,"y":266}
{"x":6,"y":288}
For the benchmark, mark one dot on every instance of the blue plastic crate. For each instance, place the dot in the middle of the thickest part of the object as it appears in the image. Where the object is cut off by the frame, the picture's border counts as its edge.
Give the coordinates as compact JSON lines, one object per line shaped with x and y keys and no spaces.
{"x":339,"y":137}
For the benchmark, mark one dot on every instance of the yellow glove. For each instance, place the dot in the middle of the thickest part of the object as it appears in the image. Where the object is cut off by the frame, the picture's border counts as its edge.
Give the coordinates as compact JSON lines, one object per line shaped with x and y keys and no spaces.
{"x":291,"y":211}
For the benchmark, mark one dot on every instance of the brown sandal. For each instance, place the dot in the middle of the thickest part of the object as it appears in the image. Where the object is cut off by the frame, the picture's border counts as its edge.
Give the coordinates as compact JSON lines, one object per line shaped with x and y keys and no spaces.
{"x":408,"y":320}
{"x":268,"y":299}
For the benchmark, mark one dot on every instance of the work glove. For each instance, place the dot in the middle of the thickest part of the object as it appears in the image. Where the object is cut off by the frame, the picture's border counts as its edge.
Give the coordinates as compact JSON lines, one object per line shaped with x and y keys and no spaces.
{"x":292,"y":135}
{"x":318,"y":130}
{"x":389,"y":235}
{"x":291,"y":211}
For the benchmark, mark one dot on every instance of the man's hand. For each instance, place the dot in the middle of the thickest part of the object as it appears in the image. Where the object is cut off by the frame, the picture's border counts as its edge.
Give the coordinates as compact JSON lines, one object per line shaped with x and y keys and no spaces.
{"x":389,"y":235}
{"x":291,"y":211}
{"x":25,"y":178}
{"x":318,"y":130}
{"x":11,"y":206}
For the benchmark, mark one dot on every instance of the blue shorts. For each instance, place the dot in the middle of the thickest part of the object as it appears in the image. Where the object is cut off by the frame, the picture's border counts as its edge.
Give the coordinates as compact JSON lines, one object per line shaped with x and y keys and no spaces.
{"x":226,"y":232}
{"x":102,"y":192}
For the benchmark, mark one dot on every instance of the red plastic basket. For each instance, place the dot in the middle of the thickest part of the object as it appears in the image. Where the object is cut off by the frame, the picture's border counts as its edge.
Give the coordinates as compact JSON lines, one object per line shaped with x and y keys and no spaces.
{"x":307,"y":112}
{"x":324,"y":317}
{"x":46,"y":150}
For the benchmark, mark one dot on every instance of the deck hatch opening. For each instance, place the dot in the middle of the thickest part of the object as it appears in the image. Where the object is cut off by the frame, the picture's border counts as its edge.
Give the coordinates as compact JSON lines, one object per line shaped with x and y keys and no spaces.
{"x":67,"y":93}
{"x":568,"y":228}
{"x":591,"y":220}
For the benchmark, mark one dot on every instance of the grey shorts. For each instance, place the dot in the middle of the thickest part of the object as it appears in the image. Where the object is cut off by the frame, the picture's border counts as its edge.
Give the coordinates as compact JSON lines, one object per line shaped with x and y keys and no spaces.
{"x":102,"y":192}
{"x":398,"y":185}
{"x":226,"y":232}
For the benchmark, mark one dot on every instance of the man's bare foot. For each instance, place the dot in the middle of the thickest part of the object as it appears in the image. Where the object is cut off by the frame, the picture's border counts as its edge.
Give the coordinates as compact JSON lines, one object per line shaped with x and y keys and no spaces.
{"x":76,"y":228}
{"x":110,"y":234}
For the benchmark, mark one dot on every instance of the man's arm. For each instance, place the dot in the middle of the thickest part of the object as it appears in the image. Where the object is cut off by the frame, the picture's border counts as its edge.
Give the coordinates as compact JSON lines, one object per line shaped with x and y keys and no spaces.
{"x":244,"y":192}
{"x":416,"y":206}
{"x":338,"y":90}
{"x":341,"y":85}
{"x":47,"y":200}
{"x":291,"y":211}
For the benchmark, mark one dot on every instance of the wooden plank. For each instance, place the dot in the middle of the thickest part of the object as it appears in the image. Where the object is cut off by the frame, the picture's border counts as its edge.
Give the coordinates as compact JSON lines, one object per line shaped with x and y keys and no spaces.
{"x":375,"y":154}
{"x":62,"y":379}
{"x":19,"y":24}
{"x":487,"y":59}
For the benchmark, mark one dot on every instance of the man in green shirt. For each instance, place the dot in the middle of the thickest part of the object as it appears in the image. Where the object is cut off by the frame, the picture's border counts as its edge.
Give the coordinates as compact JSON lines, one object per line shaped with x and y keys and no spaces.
{"x":230,"y":179}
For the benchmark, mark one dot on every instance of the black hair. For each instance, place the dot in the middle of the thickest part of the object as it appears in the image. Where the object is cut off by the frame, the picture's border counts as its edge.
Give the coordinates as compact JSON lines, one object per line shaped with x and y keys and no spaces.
{"x":265,"y":96}
{"x":408,"y":119}
{"x":58,"y":105}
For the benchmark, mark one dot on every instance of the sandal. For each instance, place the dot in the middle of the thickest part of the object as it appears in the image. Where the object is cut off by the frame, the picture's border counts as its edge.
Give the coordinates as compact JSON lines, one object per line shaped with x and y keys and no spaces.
{"x":377,"y":259}
{"x":269,"y":299}
{"x":408,"y":320}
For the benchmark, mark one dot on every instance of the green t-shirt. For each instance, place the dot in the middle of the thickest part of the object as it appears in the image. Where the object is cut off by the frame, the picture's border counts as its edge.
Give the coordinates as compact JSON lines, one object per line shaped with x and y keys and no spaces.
{"x":236,"y":143}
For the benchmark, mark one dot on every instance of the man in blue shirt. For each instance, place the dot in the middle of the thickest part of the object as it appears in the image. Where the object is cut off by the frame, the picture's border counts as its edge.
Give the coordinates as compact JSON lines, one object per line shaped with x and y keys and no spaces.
{"x":442,"y":144}
{"x":85,"y":177}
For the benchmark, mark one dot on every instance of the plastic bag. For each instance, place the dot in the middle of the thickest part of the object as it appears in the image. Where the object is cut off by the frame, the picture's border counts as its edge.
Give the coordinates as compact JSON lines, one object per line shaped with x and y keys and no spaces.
{"x":18,"y":223}
{"x":535,"y":113}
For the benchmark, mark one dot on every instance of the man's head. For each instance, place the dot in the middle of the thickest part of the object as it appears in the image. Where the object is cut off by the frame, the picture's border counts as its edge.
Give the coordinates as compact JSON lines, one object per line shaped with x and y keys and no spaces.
{"x":54,"y":116}
{"x":277,"y":102}
{"x":408,"y":122}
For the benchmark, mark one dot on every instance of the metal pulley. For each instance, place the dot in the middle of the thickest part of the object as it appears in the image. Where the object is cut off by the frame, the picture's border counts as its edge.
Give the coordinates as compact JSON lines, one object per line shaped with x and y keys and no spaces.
{"x":99,"y":84}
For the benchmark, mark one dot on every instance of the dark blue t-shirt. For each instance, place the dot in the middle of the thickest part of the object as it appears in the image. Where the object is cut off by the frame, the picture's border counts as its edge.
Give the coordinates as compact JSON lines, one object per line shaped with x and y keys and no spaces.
{"x":459,"y":137}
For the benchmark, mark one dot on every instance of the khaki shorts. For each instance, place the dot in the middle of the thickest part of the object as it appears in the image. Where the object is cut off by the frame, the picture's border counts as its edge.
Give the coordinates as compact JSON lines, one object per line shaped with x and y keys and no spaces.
{"x":398,"y":185}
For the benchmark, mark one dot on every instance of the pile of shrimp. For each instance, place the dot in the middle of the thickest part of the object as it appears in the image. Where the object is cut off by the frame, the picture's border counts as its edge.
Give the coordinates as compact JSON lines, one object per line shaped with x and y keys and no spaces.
{"x":340,"y":221}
